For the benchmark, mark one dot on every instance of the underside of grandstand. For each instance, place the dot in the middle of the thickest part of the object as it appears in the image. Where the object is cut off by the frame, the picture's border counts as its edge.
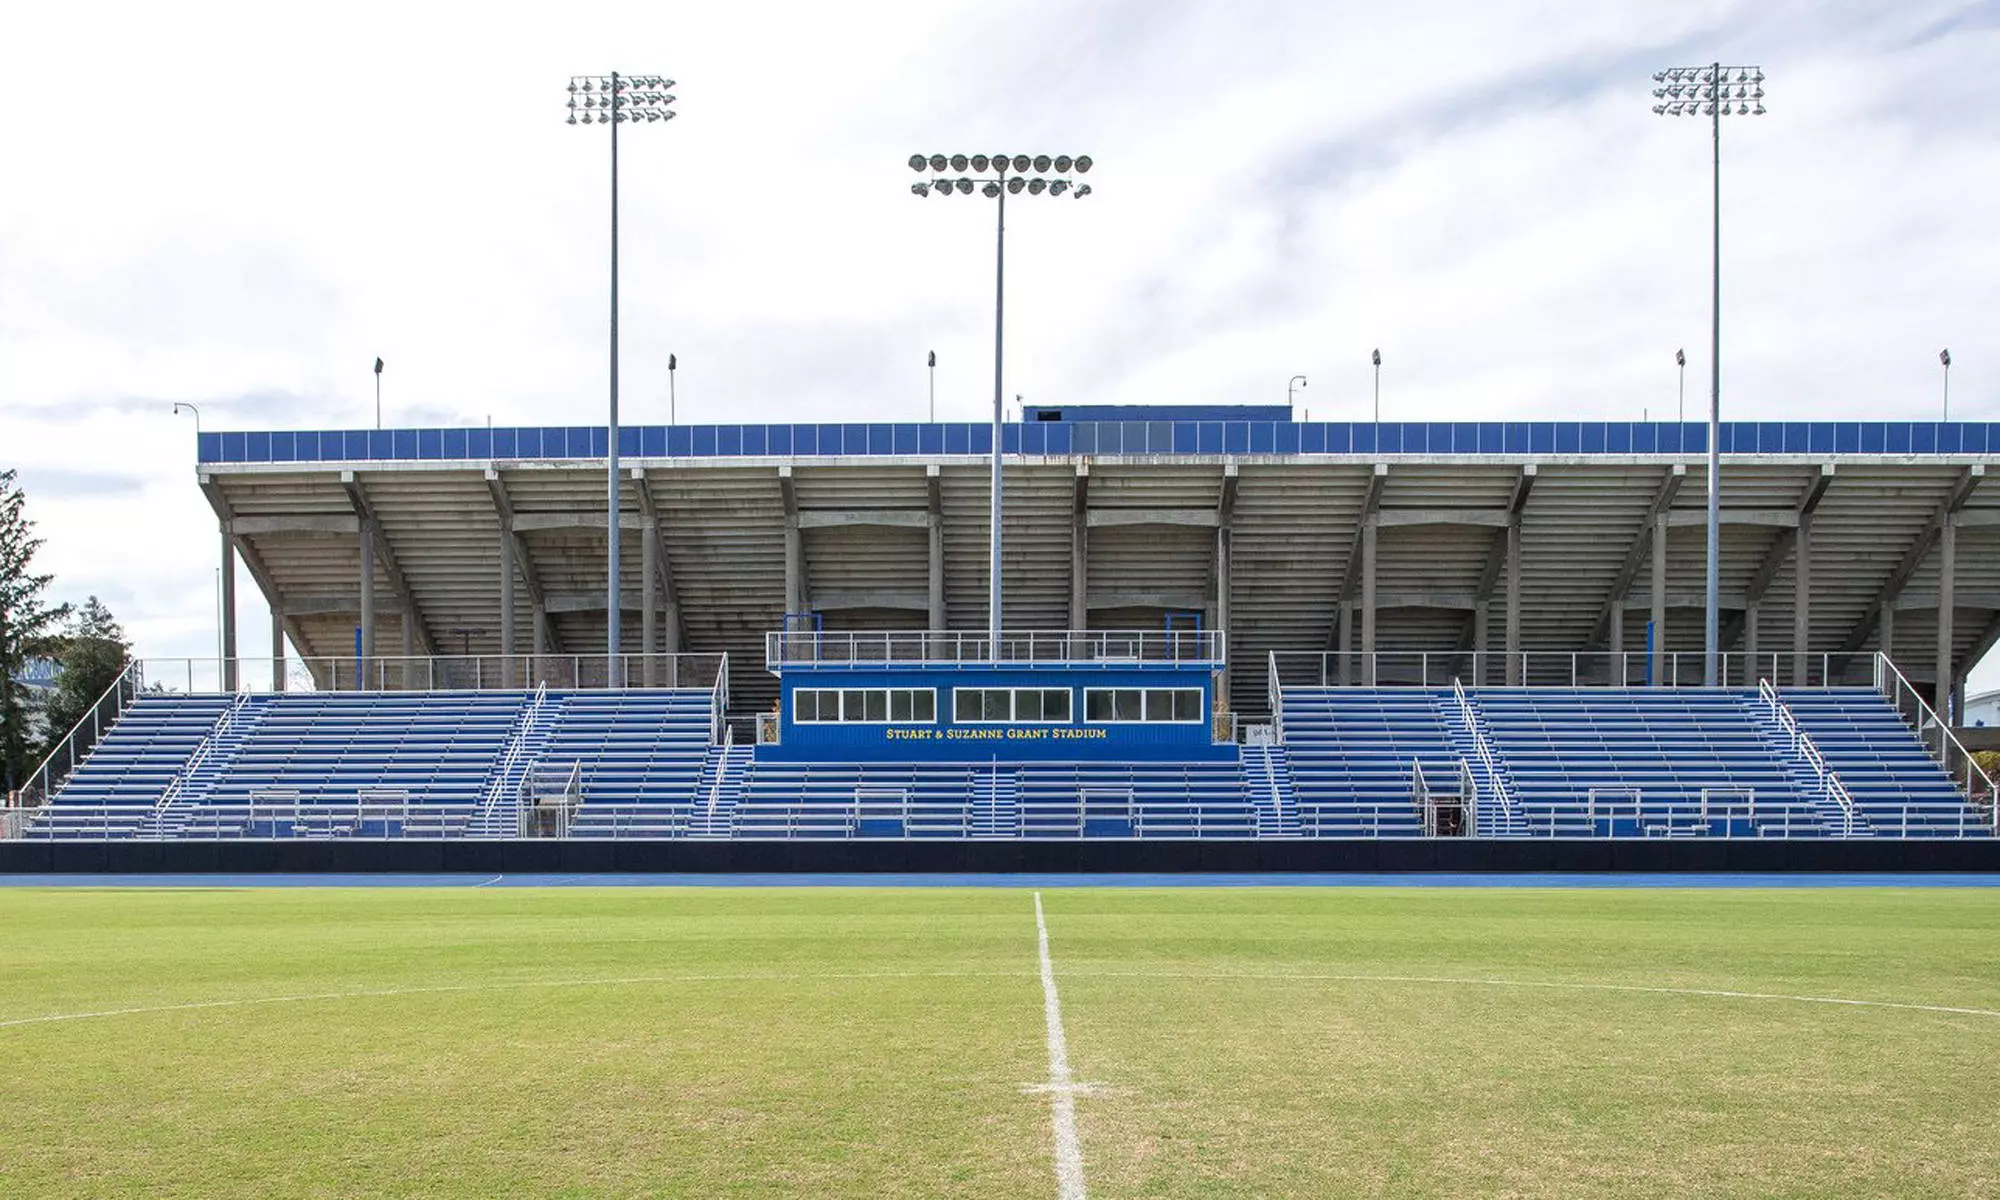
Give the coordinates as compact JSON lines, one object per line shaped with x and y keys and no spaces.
{"x":1220,"y":624}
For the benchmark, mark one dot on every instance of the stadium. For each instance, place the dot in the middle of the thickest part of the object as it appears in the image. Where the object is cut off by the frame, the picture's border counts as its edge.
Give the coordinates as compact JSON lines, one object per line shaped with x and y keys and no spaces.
{"x":1218,"y":627}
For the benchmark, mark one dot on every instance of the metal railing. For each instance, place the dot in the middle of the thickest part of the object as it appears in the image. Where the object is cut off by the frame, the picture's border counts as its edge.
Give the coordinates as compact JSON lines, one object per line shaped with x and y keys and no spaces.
{"x":1102,"y":648}
{"x":1504,"y":809}
{"x":1274,"y":695}
{"x":177,"y":786}
{"x":1965,"y":772}
{"x":1802,"y":747}
{"x":433,"y":673}
{"x":1553,"y":668}
{"x":69,"y":754}
{"x":718,"y":703}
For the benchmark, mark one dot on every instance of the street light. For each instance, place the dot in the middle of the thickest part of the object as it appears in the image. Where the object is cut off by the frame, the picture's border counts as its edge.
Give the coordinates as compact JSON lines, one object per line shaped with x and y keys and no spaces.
{"x":673,"y":400}
{"x":1944,"y":356}
{"x":1681,"y":361}
{"x":1378,"y":387}
{"x":1710,"y":92}
{"x":1009,"y":177}
{"x":933,"y":370}
{"x":1300,"y":380}
{"x":616,"y":100}
{"x":378,"y":391}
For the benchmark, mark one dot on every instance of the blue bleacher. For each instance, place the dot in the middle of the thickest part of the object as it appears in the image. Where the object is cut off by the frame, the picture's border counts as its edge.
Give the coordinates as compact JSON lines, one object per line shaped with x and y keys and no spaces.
{"x":1350,"y":751}
{"x":1897,"y":786}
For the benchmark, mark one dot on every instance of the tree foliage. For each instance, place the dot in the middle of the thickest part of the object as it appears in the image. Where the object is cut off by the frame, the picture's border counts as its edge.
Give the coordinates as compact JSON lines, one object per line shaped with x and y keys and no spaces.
{"x":93,"y":653}
{"x":29,"y":628}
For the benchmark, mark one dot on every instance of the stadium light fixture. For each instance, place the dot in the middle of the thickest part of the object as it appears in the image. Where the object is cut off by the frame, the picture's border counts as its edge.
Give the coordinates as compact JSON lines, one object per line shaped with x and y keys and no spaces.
{"x":1009,"y":177}
{"x":1944,"y":358}
{"x":616,"y":100}
{"x":1376,"y":357}
{"x":1712,"y":92}
{"x":1296,"y":381}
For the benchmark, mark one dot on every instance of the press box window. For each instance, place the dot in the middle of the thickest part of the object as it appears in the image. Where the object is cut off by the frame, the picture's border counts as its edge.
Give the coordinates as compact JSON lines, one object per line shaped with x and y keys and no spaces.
{"x":982,"y":704}
{"x":864,"y":706}
{"x":1049,"y":705}
{"x":1142,"y":704}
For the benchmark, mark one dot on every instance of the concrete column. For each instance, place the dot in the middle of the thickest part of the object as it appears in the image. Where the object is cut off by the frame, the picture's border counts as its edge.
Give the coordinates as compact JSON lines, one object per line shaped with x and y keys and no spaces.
{"x":649,"y":602}
{"x":540,"y":621}
{"x":1947,"y":598}
{"x":277,"y":649}
{"x":1346,"y":643}
{"x":1369,"y":536}
{"x":1079,"y":571}
{"x":228,"y":664}
{"x":672,"y":640}
{"x":1659,"y":659}
{"x":366,"y":672}
{"x":1802,"y":606}
{"x":1482,"y":638}
{"x":795,"y":567}
{"x":1887,"y":640}
{"x":509,"y":669}
{"x":407,"y":626}
{"x":936,"y":617}
{"x":1514,"y":673}
{"x":1223,"y":545}
{"x":1753,"y":671}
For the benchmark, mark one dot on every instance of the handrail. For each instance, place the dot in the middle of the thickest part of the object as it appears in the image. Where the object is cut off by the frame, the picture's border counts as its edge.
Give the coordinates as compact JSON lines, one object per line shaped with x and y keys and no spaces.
{"x":721,"y":767}
{"x":1926,"y":715}
{"x":1420,"y":796}
{"x":1503,"y":802}
{"x":1274,"y":695}
{"x":1101,"y":647}
{"x":223,"y":724}
{"x":1802,"y":746}
{"x":515,"y":746}
{"x":718,"y":704}
{"x":134,"y":675}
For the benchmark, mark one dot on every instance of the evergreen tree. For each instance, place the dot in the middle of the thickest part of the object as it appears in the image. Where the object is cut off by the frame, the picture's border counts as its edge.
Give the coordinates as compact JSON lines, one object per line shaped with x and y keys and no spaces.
{"x":93,"y":653}
{"x":28,"y":626}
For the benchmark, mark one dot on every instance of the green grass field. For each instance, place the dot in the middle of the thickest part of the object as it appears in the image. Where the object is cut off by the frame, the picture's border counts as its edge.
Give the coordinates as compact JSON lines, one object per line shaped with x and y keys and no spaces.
{"x":851,"y":1043}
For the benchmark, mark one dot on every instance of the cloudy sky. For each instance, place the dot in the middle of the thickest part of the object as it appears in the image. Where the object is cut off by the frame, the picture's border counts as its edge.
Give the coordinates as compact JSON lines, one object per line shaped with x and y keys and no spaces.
{"x":240,"y":206}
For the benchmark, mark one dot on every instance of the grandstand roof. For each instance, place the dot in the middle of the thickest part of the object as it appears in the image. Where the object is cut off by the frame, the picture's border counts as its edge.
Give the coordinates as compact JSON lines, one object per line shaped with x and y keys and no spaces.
{"x":1150,"y":500}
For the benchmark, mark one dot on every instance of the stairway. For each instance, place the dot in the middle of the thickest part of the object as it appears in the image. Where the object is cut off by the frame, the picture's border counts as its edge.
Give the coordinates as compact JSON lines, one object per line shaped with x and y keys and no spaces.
{"x":718,"y":790}
{"x":209,"y":762}
{"x":1267,"y":776}
{"x":1498,"y":816}
{"x":996,"y":803}
{"x":499,"y":813}
{"x":1833,"y":818}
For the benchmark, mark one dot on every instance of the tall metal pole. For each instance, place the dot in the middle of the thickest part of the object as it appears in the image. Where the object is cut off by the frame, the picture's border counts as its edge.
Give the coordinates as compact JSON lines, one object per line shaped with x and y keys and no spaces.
{"x":999,"y":310}
{"x":1711,"y":598}
{"x":1944,"y":357}
{"x":611,"y":530}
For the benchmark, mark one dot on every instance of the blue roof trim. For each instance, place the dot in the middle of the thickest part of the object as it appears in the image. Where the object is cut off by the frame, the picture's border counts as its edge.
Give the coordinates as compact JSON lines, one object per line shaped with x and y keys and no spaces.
{"x":1511,"y":438}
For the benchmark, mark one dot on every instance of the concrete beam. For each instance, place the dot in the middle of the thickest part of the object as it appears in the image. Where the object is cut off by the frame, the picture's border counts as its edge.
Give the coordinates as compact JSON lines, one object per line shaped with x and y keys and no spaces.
{"x":1779,"y":553}
{"x":1635,"y":554}
{"x":335,"y":604}
{"x":386,"y":557}
{"x":1202,"y":518}
{"x":1371,"y":501}
{"x":1782,"y":518}
{"x":1961,"y":490}
{"x":312,"y":523}
{"x":254,"y":563}
{"x":532,"y":522}
{"x":546,"y":637}
{"x":670,"y":599}
{"x":1421,"y":598}
{"x":1169,"y":599}
{"x":591,"y":602}
{"x":1979,"y":518}
{"x":1491,"y":518}
{"x":1927,"y":601}
{"x":837,"y":599}
{"x":900,"y":518}
{"x":1474,"y":633}
{"x":1725,"y":600}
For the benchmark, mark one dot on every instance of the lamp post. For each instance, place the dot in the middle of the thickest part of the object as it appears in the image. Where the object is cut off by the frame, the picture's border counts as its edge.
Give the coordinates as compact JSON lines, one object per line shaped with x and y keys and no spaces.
{"x":673,"y":400}
{"x":1681,"y":411}
{"x":1009,"y":177}
{"x":378,"y":391}
{"x":1300,"y":381}
{"x":1378,"y":387}
{"x":1710,"y":92}
{"x":933,"y":371}
{"x":616,"y":100}
{"x":1944,"y":357}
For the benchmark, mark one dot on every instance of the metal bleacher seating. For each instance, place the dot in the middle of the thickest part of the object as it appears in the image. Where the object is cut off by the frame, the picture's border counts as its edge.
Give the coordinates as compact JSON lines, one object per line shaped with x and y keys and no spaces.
{"x":641,"y":755}
{"x":128,"y":771}
{"x":1351,"y":752}
{"x":1899,"y":790}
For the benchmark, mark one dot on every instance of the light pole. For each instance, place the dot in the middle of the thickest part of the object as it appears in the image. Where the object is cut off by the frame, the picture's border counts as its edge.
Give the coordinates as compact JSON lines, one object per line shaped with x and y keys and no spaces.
{"x":673,"y":400}
{"x":615,"y":100}
{"x":1378,"y":387}
{"x":998,"y":186}
{"x":1299,"y":380}
{"x":1944,"y":357}
{"x":1681,"y":412}
{"x":933,"y":370}
{"x":378,"y":391}
{"x":1707,"y":91}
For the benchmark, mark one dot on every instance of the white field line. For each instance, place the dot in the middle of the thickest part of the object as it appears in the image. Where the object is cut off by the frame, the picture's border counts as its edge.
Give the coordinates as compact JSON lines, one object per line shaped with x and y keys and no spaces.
{"x":1713,"y":993}
{"x":1062,"y":1090}
{"x":517,"y":985}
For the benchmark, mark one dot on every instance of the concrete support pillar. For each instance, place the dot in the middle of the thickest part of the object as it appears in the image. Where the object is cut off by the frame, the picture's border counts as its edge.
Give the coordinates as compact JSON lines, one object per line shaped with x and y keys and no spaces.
{"x":1802,"y":606}
{"x":1344,"y":659}
{"x":228,"y":664}
{"x":1753,"y":670}
{"x":365,"y":675}
{"x":1514,"y":672}
{"x":1079,"y":571}
{"x":670,"y":640}
{"x":413,"y":672}
{"x":1886,"y":641}
{"x":1947,"y":598}
{"x":1658,"y":665}
{"x":540,"y":621}
{"x":1223,"y":546}
{"x":509,"y":669}
{"x":1369,"y":536}
{"x":649,"y":603}
{"x":795,"y":567}
{"x":277,"y":649}
{"x":1482,"y":640}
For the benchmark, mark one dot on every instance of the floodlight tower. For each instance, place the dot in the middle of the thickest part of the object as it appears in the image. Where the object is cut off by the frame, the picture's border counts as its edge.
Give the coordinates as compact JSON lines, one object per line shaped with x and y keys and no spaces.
{"x":616,"y":100}
{"x":998,"y":186}
{"x":1710,"y":92}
